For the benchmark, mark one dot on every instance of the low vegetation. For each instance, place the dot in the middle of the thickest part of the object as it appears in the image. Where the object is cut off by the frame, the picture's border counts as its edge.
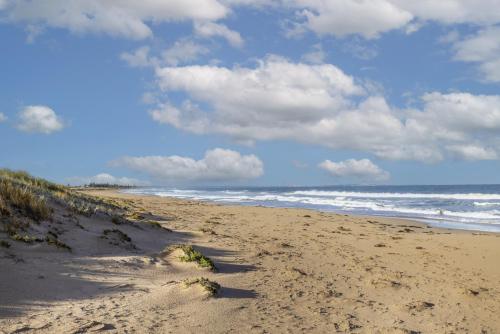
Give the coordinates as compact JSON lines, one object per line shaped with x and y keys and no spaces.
{"x":153,"y":224}
{"x":25,"y":238}
{"x":23,"y":199}
{"x":58,"y":243}
{"x":192,"y":255}
{"x":122,"y":236}
{"x":209,"y":286}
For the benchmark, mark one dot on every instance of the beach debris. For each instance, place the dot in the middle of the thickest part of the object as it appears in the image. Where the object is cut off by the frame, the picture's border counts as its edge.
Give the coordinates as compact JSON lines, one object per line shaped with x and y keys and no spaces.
{"x":380,"y":245}
{"x":208,"y":231}
{"x":420,"y":306}
{"x":475,"y":292}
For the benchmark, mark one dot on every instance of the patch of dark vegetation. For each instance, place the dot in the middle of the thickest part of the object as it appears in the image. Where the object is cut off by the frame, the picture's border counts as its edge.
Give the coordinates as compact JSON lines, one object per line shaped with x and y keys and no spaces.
{"x":117,"y":220}
{"x":153,"y":223}
{"x":211,"y":287}
{"x":4,"y":244}
{"x":121,"y":235}
{"x":136,"y":216}
{"x":192,"y":255}
{"x":51,"y":240}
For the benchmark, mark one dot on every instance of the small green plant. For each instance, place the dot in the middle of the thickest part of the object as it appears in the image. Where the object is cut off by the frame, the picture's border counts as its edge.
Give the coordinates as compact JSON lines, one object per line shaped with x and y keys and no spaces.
{"x":192,"y":255}
{"x":136,"y":216}
{"x":4,"y":244}
{"x":211,"y":287}
{"x":25,"y":238}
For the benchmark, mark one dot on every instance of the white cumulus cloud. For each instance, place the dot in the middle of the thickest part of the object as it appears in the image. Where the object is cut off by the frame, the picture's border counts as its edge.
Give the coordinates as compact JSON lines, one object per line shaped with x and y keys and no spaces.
{"x":322,"y":105}
{"x":104,"y":178}
{"x":3,"y":118}
{"x":217,"y":165}
{"x":39,"y":119}
{"x":347,"y":17}
{"x":362,"y":169}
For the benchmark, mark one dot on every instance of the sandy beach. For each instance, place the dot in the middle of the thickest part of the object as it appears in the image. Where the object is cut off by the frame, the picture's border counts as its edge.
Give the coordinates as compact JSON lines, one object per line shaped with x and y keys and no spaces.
{"x":279,"y":271}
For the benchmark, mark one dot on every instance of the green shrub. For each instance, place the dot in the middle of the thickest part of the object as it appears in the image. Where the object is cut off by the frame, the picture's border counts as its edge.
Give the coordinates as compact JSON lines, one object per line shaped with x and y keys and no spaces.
{"x":211,"y":287}
{"x":192,"y":255}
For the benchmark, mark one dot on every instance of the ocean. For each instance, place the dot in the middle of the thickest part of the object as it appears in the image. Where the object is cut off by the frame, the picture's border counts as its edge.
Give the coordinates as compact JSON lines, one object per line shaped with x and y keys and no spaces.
{"x":469,"y":207}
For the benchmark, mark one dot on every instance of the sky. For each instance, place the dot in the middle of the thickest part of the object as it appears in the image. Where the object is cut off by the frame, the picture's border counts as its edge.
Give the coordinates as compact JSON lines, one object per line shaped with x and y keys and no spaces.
{"x":251,"y":92}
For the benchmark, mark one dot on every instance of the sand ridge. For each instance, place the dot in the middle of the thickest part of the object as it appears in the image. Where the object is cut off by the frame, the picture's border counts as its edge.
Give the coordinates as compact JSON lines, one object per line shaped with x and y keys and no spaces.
{"x":280,"y":271}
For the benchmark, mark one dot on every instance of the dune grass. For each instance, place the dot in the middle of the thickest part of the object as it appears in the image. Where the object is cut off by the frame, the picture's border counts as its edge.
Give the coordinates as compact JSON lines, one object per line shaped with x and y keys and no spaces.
{"x":24,"y":199}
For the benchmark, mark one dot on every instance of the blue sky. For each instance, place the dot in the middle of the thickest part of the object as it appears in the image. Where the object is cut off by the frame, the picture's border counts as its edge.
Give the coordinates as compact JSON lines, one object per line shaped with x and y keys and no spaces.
{"x":285,"y":92}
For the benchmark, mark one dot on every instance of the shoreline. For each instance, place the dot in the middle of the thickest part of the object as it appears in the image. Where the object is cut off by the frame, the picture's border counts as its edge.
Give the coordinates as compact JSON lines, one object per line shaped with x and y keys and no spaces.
{"x":279,"y":270}
{"x":414,"y":220}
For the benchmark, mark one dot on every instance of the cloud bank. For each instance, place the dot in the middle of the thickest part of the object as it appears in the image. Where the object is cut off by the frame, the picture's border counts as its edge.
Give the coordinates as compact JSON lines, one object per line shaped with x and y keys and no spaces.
{"x":122,"y":18}
{"x":362,"y":169}
{"x":322,"y":105}
{"x":217,"y":165}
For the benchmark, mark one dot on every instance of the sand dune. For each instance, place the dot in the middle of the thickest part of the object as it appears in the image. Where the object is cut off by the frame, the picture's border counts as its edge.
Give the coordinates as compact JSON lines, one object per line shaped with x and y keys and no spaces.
{"x":280,"y":271}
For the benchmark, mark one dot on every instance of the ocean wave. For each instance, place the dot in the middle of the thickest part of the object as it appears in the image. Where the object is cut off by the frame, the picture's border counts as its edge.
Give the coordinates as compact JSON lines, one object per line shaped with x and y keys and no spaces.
{"x":457,"y":208}
{"x":487,"y":203}
{"x":464,"y":196}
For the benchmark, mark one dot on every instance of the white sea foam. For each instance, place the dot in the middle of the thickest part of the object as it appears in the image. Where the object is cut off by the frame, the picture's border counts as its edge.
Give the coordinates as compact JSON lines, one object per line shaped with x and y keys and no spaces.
{"x":321,"y":193}
{"x":487,"y":203}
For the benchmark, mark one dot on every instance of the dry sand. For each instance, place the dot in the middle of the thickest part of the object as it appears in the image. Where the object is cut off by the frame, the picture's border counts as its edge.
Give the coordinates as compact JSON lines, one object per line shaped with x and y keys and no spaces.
{"x":281,"y":271}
